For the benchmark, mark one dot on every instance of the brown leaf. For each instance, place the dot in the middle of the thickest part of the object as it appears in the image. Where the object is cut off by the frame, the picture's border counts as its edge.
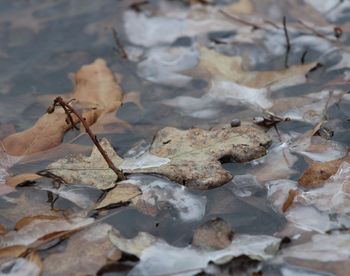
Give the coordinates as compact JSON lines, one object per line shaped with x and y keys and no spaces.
{"x":27,"y":220}
{"x":98,"y":93}
{"x":26,"y":206}
{"x":215,"y":234}
{"x":195,"y":153}
{"x":91,"y":249}
{"x":34,"y":258}
{"x":43,"y":230}
{"x":2,"y":230}
{"x":13,"y":181}
{"x":46,"y":133}
{"x":230,"y":68}
{"x":11,"y":252}
{"x":97,"y":90}
{"x":290,"y":199}
{"x":189,"y":157}
{"x":242,"y":7}
{"x":121,"y":194}
{"x":318,"y":173}
{"x":90,"y":170}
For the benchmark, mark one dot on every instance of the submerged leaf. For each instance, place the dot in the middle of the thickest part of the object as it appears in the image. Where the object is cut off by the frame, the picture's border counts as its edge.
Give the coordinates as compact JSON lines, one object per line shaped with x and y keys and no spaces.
{"x":318,"y":173}
{"x":42,"y":229}
{"x":157,"y":256}
{"x":90,"y":170}
{"x":97,"y":91}
{"x":123,"y":193}
{"x":163,"y":196}
{"x":227,"y":68}
{"x":195,"y":153}
{"x":31,"y":266}
{"x":91,"y":249}
{"x":189,"y":157}
{"x":215,"y":234}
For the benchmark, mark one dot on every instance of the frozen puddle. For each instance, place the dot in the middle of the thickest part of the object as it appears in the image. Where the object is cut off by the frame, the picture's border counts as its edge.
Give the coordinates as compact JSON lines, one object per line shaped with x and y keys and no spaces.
{"x":155,"y":191}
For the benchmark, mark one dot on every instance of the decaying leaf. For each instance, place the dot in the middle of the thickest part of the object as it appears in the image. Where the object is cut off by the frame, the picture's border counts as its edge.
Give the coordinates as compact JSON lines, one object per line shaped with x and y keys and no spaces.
{"x":13,"y":181}
{"x":176,"y":260}
{"x":215,"y":234}
{"x":90,"y":170}
{"x":27,"y":220}
{"x":160,"y":195}
{"x":6,"y":162}
{"x":318,"y":173}
{"x":98,"y":93}
{"x":25,"y":205}
{"x":134,"y":246}
{"x":242,"y":7}
{"x":321,"y":247}
{"x":46,"y":133}
{"x":44,"y":230}
{"x":189,"y":157}
{"x":333,"y":196}
{"x":30,"y":265}
{"x":85,"y":254}
{"x":314,"y":210}
{"x":97,"y":90}
{"x":9,"y":253}
{"x":122,"y":194}
{"x":291,"y":195}
{"x":2,"y":230}
{"x":194,"y":154}
{"x":223,"y":67}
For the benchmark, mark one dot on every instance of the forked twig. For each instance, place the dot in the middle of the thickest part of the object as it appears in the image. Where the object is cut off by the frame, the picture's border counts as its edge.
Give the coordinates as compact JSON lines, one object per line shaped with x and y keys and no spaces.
{"x":69,"y":109}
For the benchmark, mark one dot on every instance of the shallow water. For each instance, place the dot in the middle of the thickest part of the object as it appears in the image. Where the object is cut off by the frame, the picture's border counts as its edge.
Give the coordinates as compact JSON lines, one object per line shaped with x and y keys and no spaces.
{"x":43,"y":41}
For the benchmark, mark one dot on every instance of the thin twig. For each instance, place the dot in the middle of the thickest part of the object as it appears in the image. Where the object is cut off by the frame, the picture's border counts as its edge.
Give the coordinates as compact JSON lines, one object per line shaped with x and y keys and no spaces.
{"x":119,"y":46}
{"x":315,"y":32}
{"x":68,"y":109}
{"x":287,"y":42}
{"x":302,"y":59}
{"x":240,"y":20}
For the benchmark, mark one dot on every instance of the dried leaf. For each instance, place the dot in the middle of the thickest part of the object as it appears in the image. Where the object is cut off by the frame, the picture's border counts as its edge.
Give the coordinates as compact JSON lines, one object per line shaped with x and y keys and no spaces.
{"x":6,"y":162}
{"x":121,"y":194}
{"x":27,"y":220}
{"x":290,"y":199}
{"x":134,"y":246}
{"x":215,"y":234}
{"x":91,"y":249}
{"x":227,"y":68}
{"x":322,"y":248}
{"x":44,"y":230}
{"x":177,"y":260}
{"x":161,"y":195}
{"x":242,"y":7}
{"x":46,"y":133}
{"x":97,"y":91}
{"x":22,"y":266}
{"x":9,"y":253}
{"x":25,"y":205}
{"x":189,"y":157}
{"x":195,"y":153}
{"x":318,"y":173}
{"x":34,"y":258}
{"x":2,"y":230}
{"x":92,"y":170}
{"x":13,"y":181}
